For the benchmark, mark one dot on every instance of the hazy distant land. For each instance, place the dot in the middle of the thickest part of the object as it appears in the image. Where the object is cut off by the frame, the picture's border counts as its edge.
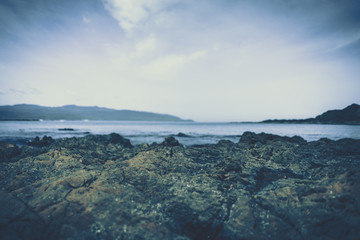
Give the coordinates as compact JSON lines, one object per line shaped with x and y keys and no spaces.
{"x":349,"y":115}
{"x":27,"y":112}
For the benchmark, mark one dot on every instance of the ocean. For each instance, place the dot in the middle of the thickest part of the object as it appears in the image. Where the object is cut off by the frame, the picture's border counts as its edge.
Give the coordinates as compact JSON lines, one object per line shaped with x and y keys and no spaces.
{"x":148,"y":132}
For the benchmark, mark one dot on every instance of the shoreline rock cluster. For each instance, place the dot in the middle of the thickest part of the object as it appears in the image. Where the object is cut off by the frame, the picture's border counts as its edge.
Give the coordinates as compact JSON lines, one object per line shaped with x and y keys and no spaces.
{"x":102,"y":187}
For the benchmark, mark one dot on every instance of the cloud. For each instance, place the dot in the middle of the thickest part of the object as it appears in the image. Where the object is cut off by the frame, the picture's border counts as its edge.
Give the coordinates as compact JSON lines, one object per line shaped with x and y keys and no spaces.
{"x":26,"y":90}
{"x":132,"y":14}
{"x":253,"y":55}
{"x":86,"y":19}
{"x":345,"y":45}
{"x":166,"y":67}
{"x":318,"y":18}
{"x":145,"y":46}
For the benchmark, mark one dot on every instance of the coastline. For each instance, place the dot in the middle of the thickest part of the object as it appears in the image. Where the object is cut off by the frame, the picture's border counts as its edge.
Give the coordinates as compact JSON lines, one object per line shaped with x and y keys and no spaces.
{"x":20,"y":120}
{"x":100,"y":186}
{"x":295,"y":121}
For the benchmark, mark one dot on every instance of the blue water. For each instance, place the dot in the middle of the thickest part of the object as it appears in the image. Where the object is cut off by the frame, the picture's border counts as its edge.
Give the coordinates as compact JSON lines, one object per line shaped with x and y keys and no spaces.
{"x":149,"y":132}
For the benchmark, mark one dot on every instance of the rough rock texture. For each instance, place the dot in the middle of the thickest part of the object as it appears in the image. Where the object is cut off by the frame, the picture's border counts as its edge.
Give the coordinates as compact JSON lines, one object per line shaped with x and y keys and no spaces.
{"x":102,"y":187}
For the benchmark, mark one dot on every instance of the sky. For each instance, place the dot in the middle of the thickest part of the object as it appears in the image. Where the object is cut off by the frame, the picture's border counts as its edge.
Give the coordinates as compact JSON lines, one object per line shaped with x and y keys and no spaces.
{"x":206,"y":60}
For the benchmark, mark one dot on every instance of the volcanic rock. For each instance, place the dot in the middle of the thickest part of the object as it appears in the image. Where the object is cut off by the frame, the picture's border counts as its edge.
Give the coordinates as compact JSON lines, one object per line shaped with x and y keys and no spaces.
{"x":101,"y":187}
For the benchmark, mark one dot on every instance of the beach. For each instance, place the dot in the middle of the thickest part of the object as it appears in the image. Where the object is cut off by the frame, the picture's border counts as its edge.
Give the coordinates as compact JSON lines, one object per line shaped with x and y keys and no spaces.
{"x":102,"y":187}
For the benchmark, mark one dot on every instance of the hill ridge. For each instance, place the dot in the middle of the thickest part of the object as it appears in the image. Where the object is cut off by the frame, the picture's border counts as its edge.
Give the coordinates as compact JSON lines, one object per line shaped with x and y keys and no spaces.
{"x":33,"y":112}
{"x":349,"y":115}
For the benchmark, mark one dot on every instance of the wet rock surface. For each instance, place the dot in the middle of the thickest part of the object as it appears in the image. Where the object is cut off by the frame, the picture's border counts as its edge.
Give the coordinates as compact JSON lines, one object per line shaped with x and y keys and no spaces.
{"x":102,"y":187}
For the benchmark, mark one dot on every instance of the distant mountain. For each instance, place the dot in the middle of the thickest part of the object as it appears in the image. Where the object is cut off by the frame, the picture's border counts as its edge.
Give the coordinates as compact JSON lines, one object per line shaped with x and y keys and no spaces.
{"x":26,"y":112}
{"x":349,"y":115}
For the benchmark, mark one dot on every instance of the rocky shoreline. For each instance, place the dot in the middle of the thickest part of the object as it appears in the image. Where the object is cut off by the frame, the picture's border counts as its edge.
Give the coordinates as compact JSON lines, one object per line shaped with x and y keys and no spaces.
{"x":101,"y":187}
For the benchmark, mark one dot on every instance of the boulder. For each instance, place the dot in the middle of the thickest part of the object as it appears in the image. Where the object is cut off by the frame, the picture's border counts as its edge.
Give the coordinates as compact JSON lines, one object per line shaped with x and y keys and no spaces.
{"x":44,"y":142}
{"x":170,"y":142}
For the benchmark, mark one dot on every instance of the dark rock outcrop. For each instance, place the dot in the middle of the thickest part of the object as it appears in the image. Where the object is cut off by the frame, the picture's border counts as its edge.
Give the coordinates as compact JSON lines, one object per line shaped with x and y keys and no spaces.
{"x":102,"y":187}
{"x":349,"y":115}
{"x":170,"y":142}
{"x":44,"y":142}
{"x":8,"y":151}
{"x":252,"y":138}
{"x":66,"y":129}
{"x":180,"y":134}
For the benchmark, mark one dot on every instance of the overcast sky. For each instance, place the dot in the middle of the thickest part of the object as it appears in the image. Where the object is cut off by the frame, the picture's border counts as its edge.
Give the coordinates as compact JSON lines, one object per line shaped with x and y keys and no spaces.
{"x":207,"y":60}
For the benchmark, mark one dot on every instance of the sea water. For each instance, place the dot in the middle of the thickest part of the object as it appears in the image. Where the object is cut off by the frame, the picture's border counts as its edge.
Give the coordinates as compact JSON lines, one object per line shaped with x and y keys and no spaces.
{"x":148,"y":132}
